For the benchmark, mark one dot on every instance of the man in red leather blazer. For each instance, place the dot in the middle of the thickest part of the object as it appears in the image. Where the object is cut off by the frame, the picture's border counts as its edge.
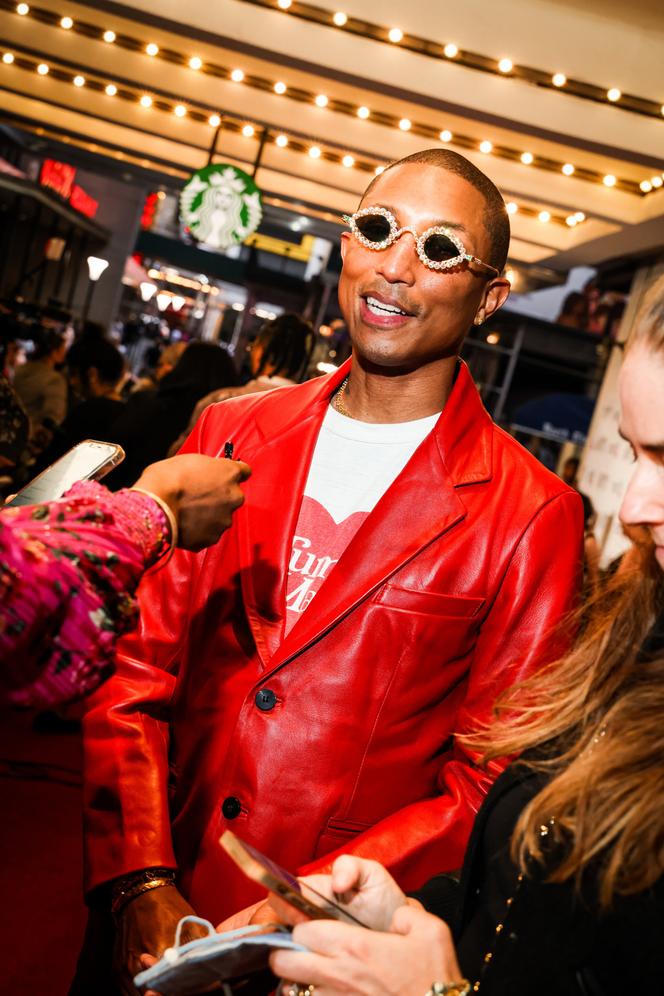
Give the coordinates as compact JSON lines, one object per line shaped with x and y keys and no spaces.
{"x":340,"y":734}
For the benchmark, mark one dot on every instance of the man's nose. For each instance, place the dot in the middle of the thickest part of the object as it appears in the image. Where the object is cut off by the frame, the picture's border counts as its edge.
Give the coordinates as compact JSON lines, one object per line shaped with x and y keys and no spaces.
{"x":397,"y":263}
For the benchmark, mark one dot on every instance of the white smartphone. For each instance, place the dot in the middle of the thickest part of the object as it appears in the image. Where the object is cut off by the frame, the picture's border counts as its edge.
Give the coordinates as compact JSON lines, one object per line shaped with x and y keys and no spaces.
{"x":88,"y":461}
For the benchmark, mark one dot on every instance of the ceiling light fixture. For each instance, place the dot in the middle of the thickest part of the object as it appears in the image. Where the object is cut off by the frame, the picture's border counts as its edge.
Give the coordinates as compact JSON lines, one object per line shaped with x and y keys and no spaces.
{"x":609,"y":180}
{"x":66,"y":23}
{"x":544,"y":216}
{"x":613,"y":94}
{"x":363,"y":112}
{"x":145,"y":101}
{"x":111,"y":90}
{"x":42,"y":69}
{"x":506,"y":65}
{"x":511,"y":207}
{"x":486,"y":147}
{"x":248,"y":131}
{"x":109,"y":37}
{"x":348,"y":161}
{"x":314,"y":152}
{"x":656,"y":181}
{"x":580,"y":216}
{"x":281,"y":141}
{"x":284,"y":4}
{"x":280,"y":88}
{"x":8,"y":58}
{"x":527,"y":158}
{"x":571,"y":220}
{"x":340,"y":18}
{"x":646,"y":186}
{"x":195,"y":62}
{"x":568,"y":169}
{"x":214,"y":120}
{"x":22,"y":9}
{"x":321,"y":100}
{"x":559,"y":79}
{"x":79,"y":81}
{"x":450,"y":51}
{"x":237,"y":75}
{"x":152,"y":49}
{"x":395,"y":35}
{"x":180,"y":111}
{"x":445,"y":135}
{"x":405,"y":124}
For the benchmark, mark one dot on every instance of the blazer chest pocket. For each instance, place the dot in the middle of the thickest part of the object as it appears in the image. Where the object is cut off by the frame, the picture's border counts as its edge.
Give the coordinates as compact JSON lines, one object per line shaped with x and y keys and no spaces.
{"x":428,"y":602}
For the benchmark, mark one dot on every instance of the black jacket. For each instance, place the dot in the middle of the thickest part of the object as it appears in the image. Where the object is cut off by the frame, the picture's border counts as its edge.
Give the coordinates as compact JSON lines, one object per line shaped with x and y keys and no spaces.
{"x":553,"y":942}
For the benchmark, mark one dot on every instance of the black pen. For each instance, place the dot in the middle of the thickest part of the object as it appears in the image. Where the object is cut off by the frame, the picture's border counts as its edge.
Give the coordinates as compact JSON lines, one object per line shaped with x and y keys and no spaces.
{"x":228,"y":450}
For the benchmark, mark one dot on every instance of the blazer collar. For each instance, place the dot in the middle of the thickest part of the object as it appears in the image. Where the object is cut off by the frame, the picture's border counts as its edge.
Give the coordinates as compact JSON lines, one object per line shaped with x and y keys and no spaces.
{"x":457,"y":452}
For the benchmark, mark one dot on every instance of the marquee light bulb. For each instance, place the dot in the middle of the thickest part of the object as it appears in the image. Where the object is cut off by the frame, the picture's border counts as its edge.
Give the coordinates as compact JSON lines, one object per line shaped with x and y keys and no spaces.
{"x":321,"y":100}
{"x":656,"y":181}
{"x":445,"y":135}
{"x":8,"y":58}
{"x":571,"y":220}
{"x":395,"y":35}
{"x":451,"y":50}
{"x":42,"y":69}
{"x":378,"y":170}
{"x":580,"y":216}
{"x":348,"y":161}
{"x":237,"y":75}
{"x":214,"y":120}
{"x":506,"y":65}
{"x":145,"y":101}
{"x":152,"y":49}
{"x":79,"y":81}
{"x":284,"y":4}
{"x":22,"y":9}
{"x":248,"y":131}
{"x":568,"y":169}
{"x":109,"y":37}
{"x":511,"y":207}
{"x":527,"y":158}
{"x":613,"y":94}
{"x":405,"y":124}
{"x":314,"y":152}
{"x":340,"y":18}
{"x":111,"y":90}
{"x":179,"y":110}
{"x":609,"y":180}
{"x":66,"y":23}
{"x":281,"y":141}
{"x":559,"y":79}
{"x":486,"y":147}
{"x":195,"y":62}
{"x":363,"y":112}
{"x":646,"y":186}
{"x":544,"y":216}
{"x":280,"y":87}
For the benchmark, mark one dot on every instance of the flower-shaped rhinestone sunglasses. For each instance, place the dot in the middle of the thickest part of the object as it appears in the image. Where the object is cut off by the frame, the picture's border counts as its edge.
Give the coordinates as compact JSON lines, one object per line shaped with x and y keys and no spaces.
{"x":439,"y":248}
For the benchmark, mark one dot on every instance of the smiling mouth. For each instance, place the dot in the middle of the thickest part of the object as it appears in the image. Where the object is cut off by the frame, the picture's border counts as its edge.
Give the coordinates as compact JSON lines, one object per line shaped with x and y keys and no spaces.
{"x":382,"y":310}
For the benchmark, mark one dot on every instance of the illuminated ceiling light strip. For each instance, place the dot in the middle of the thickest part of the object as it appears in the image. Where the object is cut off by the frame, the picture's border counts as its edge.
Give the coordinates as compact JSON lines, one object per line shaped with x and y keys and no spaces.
{"x":464,"y":141}
{"x":471,"y":60}
{"x":339,"y":106}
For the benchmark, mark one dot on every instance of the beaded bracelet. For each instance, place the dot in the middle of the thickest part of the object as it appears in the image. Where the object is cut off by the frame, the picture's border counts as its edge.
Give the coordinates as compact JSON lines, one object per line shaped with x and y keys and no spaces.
{"x":461,"y":988}
{"x":170,"y":518}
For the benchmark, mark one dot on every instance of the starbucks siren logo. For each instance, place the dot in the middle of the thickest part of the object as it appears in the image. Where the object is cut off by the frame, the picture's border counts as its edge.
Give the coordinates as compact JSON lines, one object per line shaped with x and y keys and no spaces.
{"x":221,"y":205}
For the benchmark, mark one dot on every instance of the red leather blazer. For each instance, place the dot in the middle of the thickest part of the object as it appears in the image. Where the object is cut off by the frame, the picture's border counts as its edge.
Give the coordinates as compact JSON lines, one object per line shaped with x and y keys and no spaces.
{"x":342,"y":734}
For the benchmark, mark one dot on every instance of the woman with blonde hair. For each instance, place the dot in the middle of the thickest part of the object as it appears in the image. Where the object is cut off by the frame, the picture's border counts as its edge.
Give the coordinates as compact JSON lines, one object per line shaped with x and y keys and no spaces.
{"x":562,"y":890}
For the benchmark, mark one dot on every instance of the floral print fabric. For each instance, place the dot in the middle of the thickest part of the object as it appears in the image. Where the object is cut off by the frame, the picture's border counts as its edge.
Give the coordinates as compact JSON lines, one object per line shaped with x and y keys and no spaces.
{"x":68,"y":573}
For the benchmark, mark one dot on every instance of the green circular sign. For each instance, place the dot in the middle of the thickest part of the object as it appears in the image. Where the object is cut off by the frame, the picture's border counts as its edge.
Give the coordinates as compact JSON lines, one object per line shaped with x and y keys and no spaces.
{"x":221,"y":205}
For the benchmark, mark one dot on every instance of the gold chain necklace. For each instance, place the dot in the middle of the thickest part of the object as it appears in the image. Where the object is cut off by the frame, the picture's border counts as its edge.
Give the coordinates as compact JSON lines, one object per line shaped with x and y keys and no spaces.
{"x":338,"y":400}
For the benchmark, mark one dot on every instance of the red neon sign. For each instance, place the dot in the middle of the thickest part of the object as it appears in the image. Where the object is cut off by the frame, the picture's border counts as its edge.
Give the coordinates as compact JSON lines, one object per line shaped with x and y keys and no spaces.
{"x":83,"y":202}
{"x":58,"y":177}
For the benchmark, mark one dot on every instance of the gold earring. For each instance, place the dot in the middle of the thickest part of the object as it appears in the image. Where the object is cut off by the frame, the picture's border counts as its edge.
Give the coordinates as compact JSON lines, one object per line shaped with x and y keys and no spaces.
{"x":478,"y":321}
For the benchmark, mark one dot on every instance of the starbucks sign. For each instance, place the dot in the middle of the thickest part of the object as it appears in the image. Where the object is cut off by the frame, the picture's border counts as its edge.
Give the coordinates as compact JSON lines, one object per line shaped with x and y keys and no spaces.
{"x":221,"y":205}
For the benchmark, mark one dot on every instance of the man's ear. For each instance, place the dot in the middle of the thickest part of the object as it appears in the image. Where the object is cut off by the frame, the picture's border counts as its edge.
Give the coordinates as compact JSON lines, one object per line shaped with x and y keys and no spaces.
{"x":345,"y":236}
{"x":495,"y":294}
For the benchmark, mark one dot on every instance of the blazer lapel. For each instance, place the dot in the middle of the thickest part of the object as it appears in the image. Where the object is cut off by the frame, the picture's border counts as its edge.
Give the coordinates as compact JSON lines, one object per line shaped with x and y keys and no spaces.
{"x":404,"y":521}
{"x":280,"y":461}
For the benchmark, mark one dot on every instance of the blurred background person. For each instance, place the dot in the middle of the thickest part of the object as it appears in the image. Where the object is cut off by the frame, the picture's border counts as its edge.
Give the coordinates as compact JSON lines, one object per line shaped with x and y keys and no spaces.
{"x":42,"y":387}
{"x":574,"y":311}
{"x":277,"y":358}
{"x":152,"y":420}
{"x":166,"y":362}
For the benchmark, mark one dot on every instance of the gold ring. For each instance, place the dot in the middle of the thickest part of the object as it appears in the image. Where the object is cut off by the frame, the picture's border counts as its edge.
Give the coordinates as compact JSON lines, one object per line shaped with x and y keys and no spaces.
{"x":296,"y":990}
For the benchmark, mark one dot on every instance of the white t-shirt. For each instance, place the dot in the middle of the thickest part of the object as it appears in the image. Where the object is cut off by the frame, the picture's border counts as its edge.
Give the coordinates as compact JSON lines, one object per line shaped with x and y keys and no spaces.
{"x":353,"y":465}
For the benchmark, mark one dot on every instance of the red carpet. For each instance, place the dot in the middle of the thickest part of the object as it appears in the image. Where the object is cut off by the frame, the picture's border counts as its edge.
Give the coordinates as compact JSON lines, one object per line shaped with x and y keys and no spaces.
{"x":42,"y":912}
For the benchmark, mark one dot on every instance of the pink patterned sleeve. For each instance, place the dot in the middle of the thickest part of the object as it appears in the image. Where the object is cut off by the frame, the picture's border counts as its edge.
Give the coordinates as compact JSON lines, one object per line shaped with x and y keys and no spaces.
{"x":68,"y":573}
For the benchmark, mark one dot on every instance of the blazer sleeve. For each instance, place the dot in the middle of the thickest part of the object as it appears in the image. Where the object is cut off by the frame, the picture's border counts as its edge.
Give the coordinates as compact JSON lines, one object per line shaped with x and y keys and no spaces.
{"x":125,"y":730}
{"x":521,"y":632}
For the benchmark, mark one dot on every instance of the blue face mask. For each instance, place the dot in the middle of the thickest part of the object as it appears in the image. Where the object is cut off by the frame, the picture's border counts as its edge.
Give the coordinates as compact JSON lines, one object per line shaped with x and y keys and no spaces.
{"x":191,"y":967}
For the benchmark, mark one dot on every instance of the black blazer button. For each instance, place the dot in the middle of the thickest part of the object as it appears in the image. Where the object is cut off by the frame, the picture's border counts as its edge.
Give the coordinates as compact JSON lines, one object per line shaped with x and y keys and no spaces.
{"x":266,"y":699}
{"x":231,"y":807}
